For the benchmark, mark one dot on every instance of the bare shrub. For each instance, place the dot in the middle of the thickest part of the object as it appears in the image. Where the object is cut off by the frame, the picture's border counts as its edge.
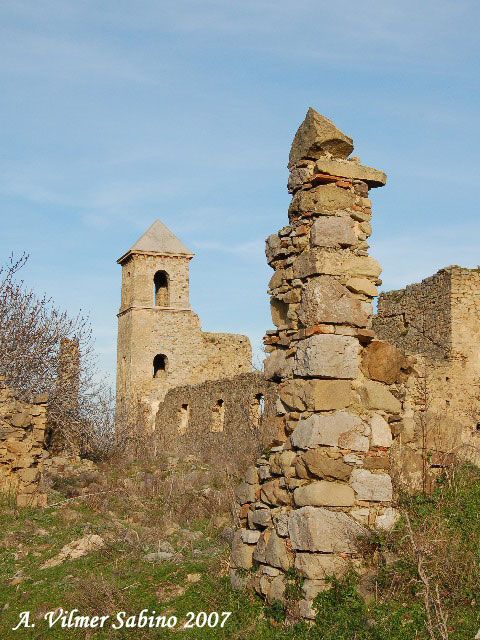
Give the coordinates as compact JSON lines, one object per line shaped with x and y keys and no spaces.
{"x":44,"y":350}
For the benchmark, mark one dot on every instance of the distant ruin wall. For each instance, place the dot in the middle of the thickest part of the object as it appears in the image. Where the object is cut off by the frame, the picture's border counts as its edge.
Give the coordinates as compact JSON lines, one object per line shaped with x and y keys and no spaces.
{"x":221,"y":422}
{"x":227,"y":354}
{"x":437,"y":321}
{"x":465,"y":314}
{"x":22,"y":428}
{"x":417,"y":319}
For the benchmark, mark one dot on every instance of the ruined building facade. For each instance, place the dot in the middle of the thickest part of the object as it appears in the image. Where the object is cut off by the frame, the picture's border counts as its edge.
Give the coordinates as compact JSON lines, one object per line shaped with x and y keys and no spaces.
{"x":161,"y":344}
{"x":437,"y":321}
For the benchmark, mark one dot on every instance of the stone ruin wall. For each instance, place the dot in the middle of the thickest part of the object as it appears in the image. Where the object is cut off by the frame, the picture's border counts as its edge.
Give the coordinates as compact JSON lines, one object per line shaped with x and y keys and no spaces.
{"x":22,"y":429}
{"x":417,"y":319}
{"x":442,"y":403}
{"x":223,"y":422}
{"x":327,"y":481}
{"x":226,"y":355}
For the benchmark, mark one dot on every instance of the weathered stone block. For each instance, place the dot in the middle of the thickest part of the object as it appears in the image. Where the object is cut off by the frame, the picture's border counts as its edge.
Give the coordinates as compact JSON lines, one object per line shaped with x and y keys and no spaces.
{"x":17,"y":447}
{"x":376,"y":462}
{"x":276,"y":590}
{"x":316,"y":136}
{"x":41,"y":398}
{"x":323,"y":493}
{"x":316,"y":395}
{"x":22,"y":419}
{"x":273,"y":494}
{"x":376,"y":396}
{"x":274,"y":248}
{"x":298,"y":176}
{"x":249,"y":537}
{"x":23,"y":462}
{"x":323,"y":199}
{"x":318,"y":529}
{"x":354,"y":440}
{"x":387,"y":520}
{"x":311,"y":588}
{"x":29,"y":475}
{"x":324,"y":467}
{"x":286,"y":459}
{"x":242,"y":554}
{"x":362,"y":285}
{"x":324,"y":429}
{"x":259,"y":552}
{"x":325,"y":300}
{"x":382,"y":361}
{"x":281,"y":526}
{"x":381,"y":435}
{"x":245,"y":493}
{"x":351,"y":170}
{"x":333,"y":231}
{"x":251,"y":475}
{"x":327,"y":356}
{"x":279,"y":312}
{"x":306,"y":610}
{"x":277,"y":553}
{"x":277,"y":279}
{"x":362,"y":267}
{"x":317,"y":261}
{"x":376,"y":487}
{"x":262,"y":517}
{"x":361,"y":515}
{"x":319,"y":567}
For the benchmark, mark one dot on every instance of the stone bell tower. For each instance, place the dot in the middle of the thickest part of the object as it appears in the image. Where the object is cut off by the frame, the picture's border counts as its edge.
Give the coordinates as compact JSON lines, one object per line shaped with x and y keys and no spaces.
{"x":154,"y":316}
{"x":160,"y":340}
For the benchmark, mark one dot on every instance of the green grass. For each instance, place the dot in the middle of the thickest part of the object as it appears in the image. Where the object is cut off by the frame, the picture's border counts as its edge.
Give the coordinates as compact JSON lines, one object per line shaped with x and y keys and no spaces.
{"x":446,"y":525}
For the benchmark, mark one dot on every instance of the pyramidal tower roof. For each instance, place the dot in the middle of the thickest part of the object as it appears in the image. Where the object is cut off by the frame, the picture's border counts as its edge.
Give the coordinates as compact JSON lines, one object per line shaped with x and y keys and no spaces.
{"x":159,"y":239}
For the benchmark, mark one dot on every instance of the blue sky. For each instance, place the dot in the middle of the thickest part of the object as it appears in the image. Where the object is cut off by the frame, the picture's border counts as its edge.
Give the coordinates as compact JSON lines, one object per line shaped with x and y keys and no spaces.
{"x":117,"y":112}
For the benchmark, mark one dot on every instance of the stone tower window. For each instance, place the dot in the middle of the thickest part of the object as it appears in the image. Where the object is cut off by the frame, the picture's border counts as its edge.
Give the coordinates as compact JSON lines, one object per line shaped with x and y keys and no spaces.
{"x":160,"y":365}
{"x":218,"y":416}
{"x":160,"y":289}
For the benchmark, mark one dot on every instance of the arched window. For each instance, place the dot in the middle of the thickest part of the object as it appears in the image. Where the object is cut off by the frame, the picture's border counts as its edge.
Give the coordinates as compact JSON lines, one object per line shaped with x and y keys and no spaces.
{"x":160,"y":363}
{"x":160,"y":289}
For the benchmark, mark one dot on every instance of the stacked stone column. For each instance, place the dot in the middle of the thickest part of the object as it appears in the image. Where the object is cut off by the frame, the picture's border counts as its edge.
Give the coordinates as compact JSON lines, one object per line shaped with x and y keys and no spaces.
{"x":324,"y":482}
{"x":22,"y":430}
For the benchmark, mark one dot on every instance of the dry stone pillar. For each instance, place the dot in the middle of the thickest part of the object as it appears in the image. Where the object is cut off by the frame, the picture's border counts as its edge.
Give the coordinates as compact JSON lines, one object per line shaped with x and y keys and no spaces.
{"x":325,"y":481}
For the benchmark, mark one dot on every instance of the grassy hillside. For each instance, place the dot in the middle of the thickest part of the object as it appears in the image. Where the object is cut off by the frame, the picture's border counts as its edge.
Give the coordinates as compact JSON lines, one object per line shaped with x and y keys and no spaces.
{"x":431,"y":562}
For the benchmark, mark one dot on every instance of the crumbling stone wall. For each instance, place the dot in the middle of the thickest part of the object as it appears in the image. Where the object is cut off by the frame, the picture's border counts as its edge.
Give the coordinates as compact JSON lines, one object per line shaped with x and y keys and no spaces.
{"x":326,"y":482}
{"x":22,"y":428}
{"x":224,"y":422}
{"x":437,"y":321}
{"x":418,"y":318}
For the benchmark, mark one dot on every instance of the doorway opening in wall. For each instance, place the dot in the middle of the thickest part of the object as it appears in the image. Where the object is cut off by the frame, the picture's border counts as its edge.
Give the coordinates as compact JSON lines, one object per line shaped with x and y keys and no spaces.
{"x":160,"y":363}
{"x":160,"y":289}
{"x":183,"y":417}
{"x":261,"y":403}
{"x":257,"y":407}
{"x":218,"y":416}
